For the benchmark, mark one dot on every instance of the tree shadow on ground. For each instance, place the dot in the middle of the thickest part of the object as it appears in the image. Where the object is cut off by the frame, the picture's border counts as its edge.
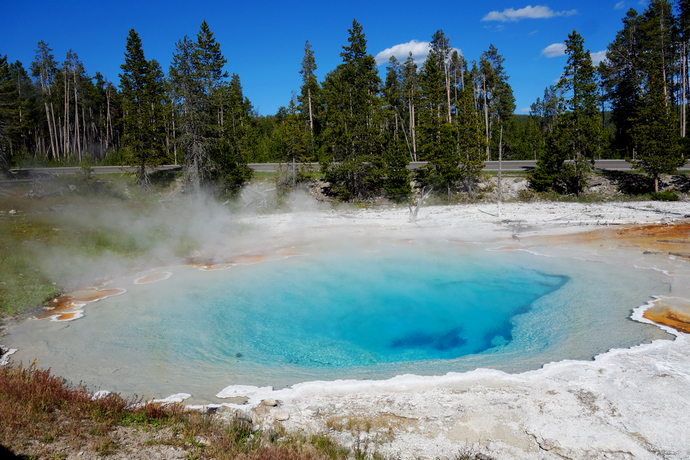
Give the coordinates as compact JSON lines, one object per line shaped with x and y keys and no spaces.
{"x":5,"y":453}
{"x":162,"y":179}
{"x":630,"y":183}
{"x":680,"y":183}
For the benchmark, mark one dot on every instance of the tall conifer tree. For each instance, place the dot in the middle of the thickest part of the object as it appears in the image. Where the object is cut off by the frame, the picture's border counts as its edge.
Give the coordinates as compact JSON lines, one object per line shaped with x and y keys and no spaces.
{"x":352,"y":136}
{"x":576,"y":136}
{"x":142,"y":86}
{"x":309,"y":92}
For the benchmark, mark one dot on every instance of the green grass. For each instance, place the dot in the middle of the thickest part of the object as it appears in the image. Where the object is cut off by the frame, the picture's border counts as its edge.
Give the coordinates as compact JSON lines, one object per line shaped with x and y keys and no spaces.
{"x":32,"y":240}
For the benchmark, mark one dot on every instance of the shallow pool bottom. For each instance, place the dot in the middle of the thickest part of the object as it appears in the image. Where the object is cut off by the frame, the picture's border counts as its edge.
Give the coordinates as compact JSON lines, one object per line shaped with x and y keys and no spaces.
{"x":364,"y":310}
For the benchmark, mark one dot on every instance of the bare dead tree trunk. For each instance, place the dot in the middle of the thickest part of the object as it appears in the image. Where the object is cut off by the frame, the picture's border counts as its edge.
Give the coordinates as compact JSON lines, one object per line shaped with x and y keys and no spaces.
{"x":84,"y":131}
{"x":311,"y":115}
{"x":65,"y":127}
{"x":55,"y":131}
{"x":174,"y":137}
{"x":663,"y":62}
{"x":500,"y":161}
{"x":475,"y":90}
{"x":486,"y":122}
{"x":50,"y":131}
{"x":426,"y":191}
{"x":684,"y":72}
{"x":447,"y":73}
{"x":412,"y":130}
{"x":108,"y":132}
{"x":407,"y":142}
{"x":77,"y":141}
{"x":395,"y":134}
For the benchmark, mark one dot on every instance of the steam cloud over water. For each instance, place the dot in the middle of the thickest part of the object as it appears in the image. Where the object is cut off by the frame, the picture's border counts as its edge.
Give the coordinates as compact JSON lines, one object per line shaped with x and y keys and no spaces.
{"x":280,"y":298}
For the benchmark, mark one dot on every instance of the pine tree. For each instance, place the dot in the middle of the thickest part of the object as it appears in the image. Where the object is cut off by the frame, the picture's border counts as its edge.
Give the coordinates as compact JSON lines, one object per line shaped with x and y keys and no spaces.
{"x":497,"y":99}
{"x":655,"y":132}
{"x":437,"y":137}
{"x":576,"y":135}
{"x":410,"y":90}
{"x":309,"y":105}
{"x":17,"y":124}
{"x":352,"y":137}
{"x":6,"y":114}
{"x":44,"y":68}
{"x":142,"y":87}
{"x":237,"y":139}
{"x":622,"y":80}
{"x":187,"y":97}
{"x":213,"y":114}
{"x":396,"y":177}
{"x":470,"y":141}
{"x":392,"y":95}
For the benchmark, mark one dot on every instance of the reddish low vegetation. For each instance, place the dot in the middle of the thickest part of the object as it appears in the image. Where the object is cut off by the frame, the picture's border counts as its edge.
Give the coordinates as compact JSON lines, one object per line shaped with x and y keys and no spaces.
{"x":42,"y":416}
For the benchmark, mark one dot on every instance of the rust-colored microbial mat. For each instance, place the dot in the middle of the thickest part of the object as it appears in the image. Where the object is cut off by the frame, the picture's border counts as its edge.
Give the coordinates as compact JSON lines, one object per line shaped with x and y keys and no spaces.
{"x":152,"y":278}
{"x":672,"y":239}
{"x":76,"y":299}
{"x":672,"y":312}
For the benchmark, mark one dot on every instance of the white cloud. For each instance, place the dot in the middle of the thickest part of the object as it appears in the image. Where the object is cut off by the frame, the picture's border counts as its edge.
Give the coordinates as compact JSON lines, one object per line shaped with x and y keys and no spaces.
{"x":418,"y":49}
{"x":598,"y":57}
{"x":525,"y":110}
{"x":528,"y":12}
{"x":555,"y":50}
{"x":620,"y":5}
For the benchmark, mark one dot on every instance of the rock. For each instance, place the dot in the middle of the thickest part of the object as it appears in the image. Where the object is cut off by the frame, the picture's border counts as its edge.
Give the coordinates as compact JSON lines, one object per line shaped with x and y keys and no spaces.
{"x":99,"y":394}
{"x":269,"y":402}
{"x":243,"y":416}
{"x":311,"y":411}
{"x":547,"y":444}
{"x":281,"y":416}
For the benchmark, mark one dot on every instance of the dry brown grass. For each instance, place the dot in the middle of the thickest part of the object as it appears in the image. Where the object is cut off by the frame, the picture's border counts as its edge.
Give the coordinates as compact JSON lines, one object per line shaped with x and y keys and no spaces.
{"x":44,"y":416}
{"x":37,"y":407}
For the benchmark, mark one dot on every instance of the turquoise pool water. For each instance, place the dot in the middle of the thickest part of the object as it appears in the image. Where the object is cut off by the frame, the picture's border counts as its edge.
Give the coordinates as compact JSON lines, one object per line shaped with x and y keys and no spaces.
{"x":370,"y":310}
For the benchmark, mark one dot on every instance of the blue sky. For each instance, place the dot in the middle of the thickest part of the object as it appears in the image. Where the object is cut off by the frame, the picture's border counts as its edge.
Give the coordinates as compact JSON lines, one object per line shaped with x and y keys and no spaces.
{"x":264,"y":41}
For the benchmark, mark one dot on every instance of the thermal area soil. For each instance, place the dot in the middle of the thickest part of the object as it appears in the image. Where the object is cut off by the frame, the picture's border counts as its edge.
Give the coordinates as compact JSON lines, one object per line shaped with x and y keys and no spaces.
{"x":625,"y":404}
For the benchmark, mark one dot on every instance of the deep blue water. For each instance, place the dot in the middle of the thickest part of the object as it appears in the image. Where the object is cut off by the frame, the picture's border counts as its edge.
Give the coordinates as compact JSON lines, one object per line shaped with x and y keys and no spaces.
{"x":400,"y":304}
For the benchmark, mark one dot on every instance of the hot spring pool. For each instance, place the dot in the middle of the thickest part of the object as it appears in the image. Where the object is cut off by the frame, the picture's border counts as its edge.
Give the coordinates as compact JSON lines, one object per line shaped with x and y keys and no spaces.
{"x":366,"y":310}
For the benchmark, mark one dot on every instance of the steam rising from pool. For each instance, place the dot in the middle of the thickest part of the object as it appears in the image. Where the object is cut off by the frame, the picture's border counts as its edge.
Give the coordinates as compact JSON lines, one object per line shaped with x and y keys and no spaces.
{"x":366,"y":309}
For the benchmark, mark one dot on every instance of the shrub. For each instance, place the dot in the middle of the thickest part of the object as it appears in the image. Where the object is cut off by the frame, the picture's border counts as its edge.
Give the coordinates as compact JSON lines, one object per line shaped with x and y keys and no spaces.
{"x":666,"y":195}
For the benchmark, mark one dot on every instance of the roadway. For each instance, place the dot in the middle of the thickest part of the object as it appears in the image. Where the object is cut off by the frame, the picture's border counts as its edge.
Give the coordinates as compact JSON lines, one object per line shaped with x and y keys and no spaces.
{"x":516,"y":165}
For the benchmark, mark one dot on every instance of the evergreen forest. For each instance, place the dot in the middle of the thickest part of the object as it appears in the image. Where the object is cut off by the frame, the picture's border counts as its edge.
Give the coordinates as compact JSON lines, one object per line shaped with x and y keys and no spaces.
{"x":362,"y":127}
